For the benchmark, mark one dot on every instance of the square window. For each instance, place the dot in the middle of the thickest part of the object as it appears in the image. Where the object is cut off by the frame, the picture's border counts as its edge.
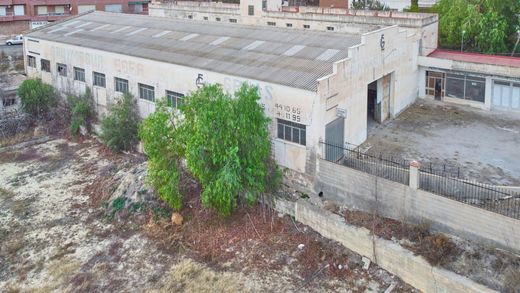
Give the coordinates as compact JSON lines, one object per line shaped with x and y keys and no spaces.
{"x":205,"y":18}
{"x":306,"y":26}
{"x":288,"y":24}
{"x":146,"y":92}
{"x":79,"y":74}
{"x":121,"y":85}
{"x":251,"y":10}
{"x":174,"y":99}
{"x":62,"y":69}
{"x":99,"y":79}
{"x":271,"y":23}
{"x":232,"y":20}
{"x":330,"y":28}
{"x":31,"y":61}
{"x":291,"y":131}
{"x":218,"y":18}
{"x":45,"y":65}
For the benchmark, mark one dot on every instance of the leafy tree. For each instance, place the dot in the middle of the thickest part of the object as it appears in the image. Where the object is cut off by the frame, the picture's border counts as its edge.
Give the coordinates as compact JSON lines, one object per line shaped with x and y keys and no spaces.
{"x":369,"y":4}
{"x":225,"y":142}
{"x":489,"y":26}
{"x":227,"y":145}
{"x":414,"y":6}
{"x":160,"y":138}
{"x":119,"y":128}
{"x":37,"y":97}
{"x":82,"y":112}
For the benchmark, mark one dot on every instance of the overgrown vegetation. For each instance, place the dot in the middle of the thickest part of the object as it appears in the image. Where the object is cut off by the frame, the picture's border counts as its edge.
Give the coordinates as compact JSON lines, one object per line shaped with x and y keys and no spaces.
{"x":225,"y":142}
{"x":160,"y":137}
{"x":119,"y":128}
{"x":37,"y":97}
{"x":82,"y":112}
{"x":486,"y":26}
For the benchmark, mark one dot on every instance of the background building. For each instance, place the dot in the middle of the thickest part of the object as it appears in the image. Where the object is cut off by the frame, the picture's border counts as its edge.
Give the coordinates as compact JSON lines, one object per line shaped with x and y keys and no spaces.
{"x":17,"y":16}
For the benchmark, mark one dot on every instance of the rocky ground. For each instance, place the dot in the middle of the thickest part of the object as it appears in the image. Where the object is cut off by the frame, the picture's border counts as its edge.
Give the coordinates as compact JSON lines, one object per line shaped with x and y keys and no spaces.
{"x":76,"y":218}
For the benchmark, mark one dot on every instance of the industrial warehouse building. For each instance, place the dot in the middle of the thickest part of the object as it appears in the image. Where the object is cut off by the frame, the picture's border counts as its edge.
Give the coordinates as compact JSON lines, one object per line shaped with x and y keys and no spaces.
{"x":313,"y":84}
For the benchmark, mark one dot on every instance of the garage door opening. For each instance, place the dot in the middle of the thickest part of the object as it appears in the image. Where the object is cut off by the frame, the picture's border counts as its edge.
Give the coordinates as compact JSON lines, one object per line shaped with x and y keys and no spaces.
{"x":373,"y":110}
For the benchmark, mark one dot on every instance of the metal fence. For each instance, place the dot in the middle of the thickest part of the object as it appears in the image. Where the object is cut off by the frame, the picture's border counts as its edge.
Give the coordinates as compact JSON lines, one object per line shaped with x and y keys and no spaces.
{"x":381,"y":166}
{"x":442,"y":181}
{"x":489,"y":197}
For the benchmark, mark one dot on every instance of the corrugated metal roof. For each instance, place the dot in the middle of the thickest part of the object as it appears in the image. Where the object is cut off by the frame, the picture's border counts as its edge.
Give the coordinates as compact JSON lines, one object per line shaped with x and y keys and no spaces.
{"x":290,"y":57}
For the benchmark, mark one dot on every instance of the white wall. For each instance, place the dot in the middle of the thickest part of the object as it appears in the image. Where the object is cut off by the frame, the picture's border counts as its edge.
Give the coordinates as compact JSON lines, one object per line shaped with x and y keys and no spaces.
{"x":279,"y":101}
{"x":347,"y":87}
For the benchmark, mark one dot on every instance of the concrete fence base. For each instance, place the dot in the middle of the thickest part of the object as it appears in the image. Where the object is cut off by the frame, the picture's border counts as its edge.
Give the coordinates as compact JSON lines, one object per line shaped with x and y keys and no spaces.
{"x":390,"y":256}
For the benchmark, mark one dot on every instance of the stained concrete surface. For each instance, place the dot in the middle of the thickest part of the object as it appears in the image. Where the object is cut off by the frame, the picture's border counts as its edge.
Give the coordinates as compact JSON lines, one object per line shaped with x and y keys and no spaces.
{"x":482,"y":145}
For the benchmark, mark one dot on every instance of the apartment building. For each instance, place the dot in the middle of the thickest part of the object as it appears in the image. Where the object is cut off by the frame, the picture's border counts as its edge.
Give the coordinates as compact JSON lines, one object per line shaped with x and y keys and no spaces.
{"x":17,"y":16}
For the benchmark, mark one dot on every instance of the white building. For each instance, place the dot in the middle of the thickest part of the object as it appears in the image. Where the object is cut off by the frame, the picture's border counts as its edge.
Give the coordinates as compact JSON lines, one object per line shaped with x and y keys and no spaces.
{"x":314,"y":85}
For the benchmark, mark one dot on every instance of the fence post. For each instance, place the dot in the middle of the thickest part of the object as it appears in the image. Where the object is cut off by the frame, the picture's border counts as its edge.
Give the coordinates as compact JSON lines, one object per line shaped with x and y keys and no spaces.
{"x":414,"y":175}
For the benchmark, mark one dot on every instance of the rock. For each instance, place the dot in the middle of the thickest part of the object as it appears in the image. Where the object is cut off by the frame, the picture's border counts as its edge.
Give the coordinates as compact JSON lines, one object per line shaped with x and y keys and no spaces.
{"x":39,"y":131}
{"x":366,"y":263}
{"x":301,"y":246}
{"x":330,"y":206}
{"x":177,"y":219}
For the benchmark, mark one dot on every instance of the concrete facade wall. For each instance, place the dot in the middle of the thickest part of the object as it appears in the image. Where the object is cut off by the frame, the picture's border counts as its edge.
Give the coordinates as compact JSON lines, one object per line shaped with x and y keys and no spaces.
{"x":362,"y":191}
{"x":346,"y":88}
{"x":165,"y":76}
{"x":412,"y":269}
{"x":14,"y":27}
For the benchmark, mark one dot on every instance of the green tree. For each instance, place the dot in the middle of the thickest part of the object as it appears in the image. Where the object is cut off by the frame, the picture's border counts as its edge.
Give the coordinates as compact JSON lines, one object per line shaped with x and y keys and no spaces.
{"x":369,"y":4}
{"x":414,"y":6}
{"x":165,"y":151}
{"x":225,"y":142}
{"x":37,"y":97}
{"x":227,"y":145}
{"x":82,"y":112}
{"x":487,"y":26}
{"x":119,"y":128}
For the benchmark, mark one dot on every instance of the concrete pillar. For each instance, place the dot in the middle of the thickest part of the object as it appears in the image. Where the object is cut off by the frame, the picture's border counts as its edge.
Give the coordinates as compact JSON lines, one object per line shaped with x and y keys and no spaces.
{"x":414,"y":174}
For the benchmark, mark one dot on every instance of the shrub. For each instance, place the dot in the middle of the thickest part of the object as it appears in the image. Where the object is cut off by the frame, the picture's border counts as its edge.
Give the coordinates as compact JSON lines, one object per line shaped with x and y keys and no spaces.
{"x":37,"y":97}
{"x":81,"y":112}
{"x":225,"y":142}
{"x":158,"y":134}
{"x":119,"y":128}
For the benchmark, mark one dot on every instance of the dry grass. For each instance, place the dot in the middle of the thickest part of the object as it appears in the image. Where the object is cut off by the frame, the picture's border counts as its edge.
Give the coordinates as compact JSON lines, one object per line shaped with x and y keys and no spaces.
{"x":189,"y":276}
{"x":512,"y":280}
{"x":436,"y":249}
{"x":5,"y":193}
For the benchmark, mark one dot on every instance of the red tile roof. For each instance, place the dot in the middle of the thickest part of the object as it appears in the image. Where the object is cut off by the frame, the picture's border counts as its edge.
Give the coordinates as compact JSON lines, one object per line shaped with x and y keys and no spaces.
{"x":476,"y":58}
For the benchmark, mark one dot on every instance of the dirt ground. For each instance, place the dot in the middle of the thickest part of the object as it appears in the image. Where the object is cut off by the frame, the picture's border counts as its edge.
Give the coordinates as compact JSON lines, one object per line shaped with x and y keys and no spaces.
{"x":484,"y":145}
{"x":61,"y":229}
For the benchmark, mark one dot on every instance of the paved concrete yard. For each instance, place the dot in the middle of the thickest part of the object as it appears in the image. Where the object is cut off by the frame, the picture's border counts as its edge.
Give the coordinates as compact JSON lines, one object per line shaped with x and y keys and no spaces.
{"x":485,"y":145}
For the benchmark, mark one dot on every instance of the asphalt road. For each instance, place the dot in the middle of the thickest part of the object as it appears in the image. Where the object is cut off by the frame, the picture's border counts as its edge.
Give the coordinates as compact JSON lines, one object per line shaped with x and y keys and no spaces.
{"x":14,"y":50}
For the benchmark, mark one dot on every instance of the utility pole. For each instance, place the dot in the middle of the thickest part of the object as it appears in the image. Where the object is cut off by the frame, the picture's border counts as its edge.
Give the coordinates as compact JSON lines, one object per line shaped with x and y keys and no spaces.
{"x":462,"y":41}
{"x":516,"y":44}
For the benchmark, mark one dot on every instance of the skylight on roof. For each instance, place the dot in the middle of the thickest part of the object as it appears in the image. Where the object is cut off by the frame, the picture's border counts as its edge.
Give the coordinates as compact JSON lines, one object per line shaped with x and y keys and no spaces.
{"x":327,"y":54}
{"x":136,"y":31}
{"x":121,"y":29}
{"x":99,"y":27}
{"x":293,"y":50}
{"x":73,"y":32}
{"x":189,"y":37}
{"x":56,"y":30}
{"x":163,"y":33}
{"x":253,"y":45}
{"x":219,"y":41}
{"x":84,"y":24}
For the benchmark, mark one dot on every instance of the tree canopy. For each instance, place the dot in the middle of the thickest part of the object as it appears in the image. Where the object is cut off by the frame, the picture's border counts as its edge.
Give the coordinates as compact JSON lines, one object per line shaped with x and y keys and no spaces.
{"x":224,"y":140}
{"x":486,"y":26}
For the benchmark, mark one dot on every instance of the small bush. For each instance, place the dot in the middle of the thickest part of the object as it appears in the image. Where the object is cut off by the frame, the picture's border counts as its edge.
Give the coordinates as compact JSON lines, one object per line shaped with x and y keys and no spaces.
{"x":119,"y":128}
{"x":19,"y":66}
{"x":37,"y":97}
{"x":81,"y":111}
{"x":436,"y":249}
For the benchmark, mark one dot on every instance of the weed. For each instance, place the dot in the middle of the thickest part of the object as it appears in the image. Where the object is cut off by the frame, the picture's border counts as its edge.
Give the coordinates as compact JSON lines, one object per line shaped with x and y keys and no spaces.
{"x":304,"y":195}
{"x":118,"y":204}
{"x":136,"y":207}
{"x":160,"y":213}
{"x":512,"y":280}
{"x":436,"y":249}
{"x":5,"y":193}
